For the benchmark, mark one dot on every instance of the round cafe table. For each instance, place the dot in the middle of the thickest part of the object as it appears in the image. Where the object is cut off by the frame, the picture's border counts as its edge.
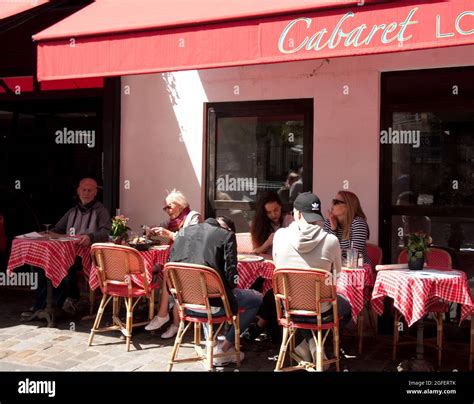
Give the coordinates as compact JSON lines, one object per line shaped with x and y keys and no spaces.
{"x":413,"y":292}
{"x":55,"y":256}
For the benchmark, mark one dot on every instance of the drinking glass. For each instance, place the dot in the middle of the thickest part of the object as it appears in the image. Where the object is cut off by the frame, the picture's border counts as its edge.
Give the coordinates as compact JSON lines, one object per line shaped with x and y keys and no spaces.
{"x":47,"y":229}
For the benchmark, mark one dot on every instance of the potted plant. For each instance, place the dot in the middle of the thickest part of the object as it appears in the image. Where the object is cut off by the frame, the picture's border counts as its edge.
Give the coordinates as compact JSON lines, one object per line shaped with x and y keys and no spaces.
{"x":119,"y":229}
{"x":418,"y":244}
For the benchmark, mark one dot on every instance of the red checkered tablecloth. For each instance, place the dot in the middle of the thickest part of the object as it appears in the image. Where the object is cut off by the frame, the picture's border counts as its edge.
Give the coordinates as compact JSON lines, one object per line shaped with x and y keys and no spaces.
{"x":250,"y":271}
{"x":55,"y":257}
{"x":414,"y":291}
{"x":351,"y":284}
{"x":152,"y":257}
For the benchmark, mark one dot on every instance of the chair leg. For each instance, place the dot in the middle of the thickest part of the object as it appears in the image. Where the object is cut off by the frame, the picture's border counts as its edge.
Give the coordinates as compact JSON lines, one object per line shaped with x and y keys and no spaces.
{"x":335,"y":333}
{"x":282,"y":353}
{"x":210,"y":349}
{"x":319,"y":351}
{"x":197,"y":334}
{"x":177,"y":343}
{"x":395,"y":335}
{"x":129,"y":322}
{"x":237,"y":339}
{"x":98,"y":318}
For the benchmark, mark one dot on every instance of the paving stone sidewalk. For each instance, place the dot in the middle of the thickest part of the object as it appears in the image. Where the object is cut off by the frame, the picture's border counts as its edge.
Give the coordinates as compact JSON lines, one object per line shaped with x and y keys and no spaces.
{"x":34,"y":347}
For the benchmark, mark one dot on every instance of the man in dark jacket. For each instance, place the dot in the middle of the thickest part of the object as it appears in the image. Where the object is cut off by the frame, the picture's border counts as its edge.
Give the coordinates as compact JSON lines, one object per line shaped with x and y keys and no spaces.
{"x":90,"y":221}
{"x":213,"y":244}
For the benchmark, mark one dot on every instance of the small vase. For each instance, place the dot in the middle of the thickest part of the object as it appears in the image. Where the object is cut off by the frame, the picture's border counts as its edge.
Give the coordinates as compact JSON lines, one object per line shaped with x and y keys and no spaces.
{"x":417,"y":264}
{"x":116,"y":240}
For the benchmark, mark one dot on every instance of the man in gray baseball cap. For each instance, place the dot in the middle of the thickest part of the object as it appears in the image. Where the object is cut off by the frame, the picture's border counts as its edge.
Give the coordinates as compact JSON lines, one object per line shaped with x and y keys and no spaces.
{"x":305,"y":244}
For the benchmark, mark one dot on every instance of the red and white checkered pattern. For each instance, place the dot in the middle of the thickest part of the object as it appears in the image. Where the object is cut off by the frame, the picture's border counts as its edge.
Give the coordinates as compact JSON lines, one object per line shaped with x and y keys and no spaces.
{"x":55,"y":257}
{"x":152,"y":257}
{"x":414,"y":291}
{"x":351,"y":284}
{"x":250,"y":271}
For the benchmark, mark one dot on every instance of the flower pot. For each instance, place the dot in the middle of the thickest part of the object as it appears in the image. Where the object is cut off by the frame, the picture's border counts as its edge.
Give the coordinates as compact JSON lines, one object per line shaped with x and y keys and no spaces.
{"x":417,"y":264}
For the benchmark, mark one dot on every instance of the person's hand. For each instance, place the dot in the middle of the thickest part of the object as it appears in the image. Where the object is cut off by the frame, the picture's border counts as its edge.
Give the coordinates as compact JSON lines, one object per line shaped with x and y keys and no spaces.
{"x":269,"y":241}
{"x":332,"y":220}
{"x":84,"y":240}
{"x":161,"y":231}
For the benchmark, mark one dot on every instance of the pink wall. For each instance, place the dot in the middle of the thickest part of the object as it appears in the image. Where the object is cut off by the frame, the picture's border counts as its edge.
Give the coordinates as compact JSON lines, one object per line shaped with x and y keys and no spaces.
{"x":163,"y":124}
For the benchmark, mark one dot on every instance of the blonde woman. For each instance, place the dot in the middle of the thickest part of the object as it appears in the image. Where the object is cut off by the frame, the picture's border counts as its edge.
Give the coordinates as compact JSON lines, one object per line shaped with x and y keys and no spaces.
{"x":347,"y":221}
{"x":180,"y":216}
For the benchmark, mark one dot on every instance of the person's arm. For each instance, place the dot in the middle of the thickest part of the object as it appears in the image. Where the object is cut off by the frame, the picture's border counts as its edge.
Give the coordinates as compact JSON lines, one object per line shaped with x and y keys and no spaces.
{"x":104,"y":225}
{"x":328,"y":229}
{"x":230,"y":260}
{"x":265,"y":246}
{"x":337,"y":263}
{"x":60,"y":226}
{"x":359,"y":233}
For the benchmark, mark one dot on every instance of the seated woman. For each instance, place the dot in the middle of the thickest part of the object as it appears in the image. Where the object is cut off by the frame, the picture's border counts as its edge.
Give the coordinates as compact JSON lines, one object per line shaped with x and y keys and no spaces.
{"x":347,"y":221}
{"x":267,"y":220}
{"x":180,"y":216}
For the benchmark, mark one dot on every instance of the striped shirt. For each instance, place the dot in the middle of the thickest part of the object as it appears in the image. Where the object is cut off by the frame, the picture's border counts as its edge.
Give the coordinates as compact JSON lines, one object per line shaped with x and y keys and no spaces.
{"x":359,"y":235}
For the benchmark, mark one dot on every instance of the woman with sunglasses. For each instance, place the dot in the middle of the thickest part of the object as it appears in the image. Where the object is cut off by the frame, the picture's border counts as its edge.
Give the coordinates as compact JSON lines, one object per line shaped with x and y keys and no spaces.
{"x":180,"y":216}
{"x":347,"y":221}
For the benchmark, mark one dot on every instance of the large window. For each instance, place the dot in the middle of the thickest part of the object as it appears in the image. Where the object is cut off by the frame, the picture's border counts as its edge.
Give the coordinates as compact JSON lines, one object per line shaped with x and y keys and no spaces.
{"x":427,"y":142}
{"x":255,"y":147}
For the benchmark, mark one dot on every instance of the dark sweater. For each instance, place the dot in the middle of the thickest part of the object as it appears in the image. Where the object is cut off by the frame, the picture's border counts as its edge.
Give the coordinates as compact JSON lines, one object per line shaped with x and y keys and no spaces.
{"x":209,"y":244}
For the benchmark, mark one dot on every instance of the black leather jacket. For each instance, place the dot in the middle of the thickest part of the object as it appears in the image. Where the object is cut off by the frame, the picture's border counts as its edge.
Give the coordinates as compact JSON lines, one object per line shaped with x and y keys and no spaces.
{"x":209,"y":244}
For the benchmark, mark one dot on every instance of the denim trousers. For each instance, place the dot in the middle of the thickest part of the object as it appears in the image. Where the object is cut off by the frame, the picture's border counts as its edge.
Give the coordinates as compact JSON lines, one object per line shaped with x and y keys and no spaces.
{"x":343,"y":309}
{"x":248,"y":299}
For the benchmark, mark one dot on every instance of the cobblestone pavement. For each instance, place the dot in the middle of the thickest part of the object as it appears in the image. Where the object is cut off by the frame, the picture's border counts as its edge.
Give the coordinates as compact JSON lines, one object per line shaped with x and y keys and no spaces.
{"x":33,"y":347}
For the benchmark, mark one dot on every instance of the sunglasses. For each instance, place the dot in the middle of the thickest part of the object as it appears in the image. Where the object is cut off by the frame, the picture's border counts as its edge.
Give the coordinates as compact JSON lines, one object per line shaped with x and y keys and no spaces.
{"x":338,"y":202}
{"x":167,"y":207}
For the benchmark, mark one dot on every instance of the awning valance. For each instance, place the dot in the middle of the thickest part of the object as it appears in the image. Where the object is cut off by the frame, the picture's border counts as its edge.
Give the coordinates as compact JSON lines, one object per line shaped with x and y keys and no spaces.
{"x":120,"y":37}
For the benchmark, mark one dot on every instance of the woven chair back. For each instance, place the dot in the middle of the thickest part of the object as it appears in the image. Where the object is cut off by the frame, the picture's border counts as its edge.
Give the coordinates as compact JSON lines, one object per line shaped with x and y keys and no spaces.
{"x":117,"y":264}
{"x":193,"y":285}
{"x":375,"y":254}
{"x":436,"y":257}
{"x":303,"y":289}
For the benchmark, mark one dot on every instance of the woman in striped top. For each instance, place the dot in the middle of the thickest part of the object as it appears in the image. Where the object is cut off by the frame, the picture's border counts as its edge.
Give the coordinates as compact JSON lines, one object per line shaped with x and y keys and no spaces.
{"x":347,"y":221}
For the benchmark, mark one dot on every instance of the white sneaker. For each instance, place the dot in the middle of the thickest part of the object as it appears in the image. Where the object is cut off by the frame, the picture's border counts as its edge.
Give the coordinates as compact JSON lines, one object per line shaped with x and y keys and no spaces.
{"x":170,"y":332}
{"x":312,"y":348}
{"x":229,"y":358}
{"x":157,"y":322}
{"x":302,"y":350}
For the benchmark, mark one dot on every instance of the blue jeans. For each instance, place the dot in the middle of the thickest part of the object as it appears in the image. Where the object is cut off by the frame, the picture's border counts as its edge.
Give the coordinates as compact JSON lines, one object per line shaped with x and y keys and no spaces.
{"x":248,"y":299}
{"x":343,"y":309}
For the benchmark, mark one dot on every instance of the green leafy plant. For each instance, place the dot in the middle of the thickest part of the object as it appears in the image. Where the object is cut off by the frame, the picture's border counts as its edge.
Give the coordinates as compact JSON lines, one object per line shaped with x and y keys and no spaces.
{"x":119,"y":226}
{"x":418,"y":245}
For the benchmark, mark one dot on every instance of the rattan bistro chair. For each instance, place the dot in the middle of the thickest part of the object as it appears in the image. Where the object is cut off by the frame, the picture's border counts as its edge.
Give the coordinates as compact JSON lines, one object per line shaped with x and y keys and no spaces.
{"x":299,"y":293}
{"x":116,"y":265}
{"x":440,"y":259}
{"x":193,"y":286}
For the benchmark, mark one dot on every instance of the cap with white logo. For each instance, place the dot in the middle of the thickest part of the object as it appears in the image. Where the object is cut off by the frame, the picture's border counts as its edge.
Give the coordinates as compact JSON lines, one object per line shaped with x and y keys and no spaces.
{"x":310,"y":206}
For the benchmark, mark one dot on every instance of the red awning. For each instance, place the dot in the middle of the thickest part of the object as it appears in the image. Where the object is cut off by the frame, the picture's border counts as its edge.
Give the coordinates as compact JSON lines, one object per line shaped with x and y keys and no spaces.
{"x":120,"y":37}
{"x":11,"y":7}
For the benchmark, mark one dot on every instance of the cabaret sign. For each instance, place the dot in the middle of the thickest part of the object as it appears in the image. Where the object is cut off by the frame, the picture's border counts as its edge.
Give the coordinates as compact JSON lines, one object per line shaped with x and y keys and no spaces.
{"x":302,"y":34}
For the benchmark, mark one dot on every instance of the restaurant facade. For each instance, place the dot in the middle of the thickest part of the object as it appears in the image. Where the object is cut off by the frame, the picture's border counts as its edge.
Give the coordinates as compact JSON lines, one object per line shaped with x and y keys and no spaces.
{"x":372,"y":97}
